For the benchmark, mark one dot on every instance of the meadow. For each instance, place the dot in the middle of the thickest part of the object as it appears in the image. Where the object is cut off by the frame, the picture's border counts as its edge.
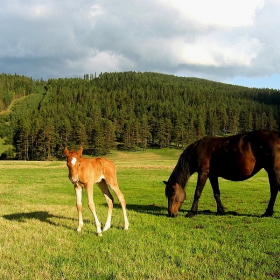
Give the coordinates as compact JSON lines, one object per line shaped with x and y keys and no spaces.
{"x":38,"y":221}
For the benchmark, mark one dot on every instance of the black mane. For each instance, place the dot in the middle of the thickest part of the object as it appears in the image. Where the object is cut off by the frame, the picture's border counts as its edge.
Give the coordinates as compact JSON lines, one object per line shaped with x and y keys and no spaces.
{"x":182,"y":171}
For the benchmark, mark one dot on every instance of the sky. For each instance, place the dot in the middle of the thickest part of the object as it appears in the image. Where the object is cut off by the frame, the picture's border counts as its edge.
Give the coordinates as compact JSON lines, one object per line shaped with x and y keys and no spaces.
{"x":232,"y":41}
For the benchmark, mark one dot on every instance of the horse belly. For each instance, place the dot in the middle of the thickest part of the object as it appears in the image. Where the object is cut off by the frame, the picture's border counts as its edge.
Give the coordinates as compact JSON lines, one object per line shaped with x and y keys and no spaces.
{"x":237,"y":169}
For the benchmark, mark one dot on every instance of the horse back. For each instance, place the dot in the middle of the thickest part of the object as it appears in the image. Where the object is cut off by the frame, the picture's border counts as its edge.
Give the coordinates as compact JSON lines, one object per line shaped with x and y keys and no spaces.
{"x":96,"y":169}
{"x":240,"y":156}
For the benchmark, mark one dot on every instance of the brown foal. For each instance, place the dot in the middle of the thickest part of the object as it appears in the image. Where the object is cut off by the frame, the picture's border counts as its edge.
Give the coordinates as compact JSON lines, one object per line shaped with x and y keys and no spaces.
{"x":84,"y":173}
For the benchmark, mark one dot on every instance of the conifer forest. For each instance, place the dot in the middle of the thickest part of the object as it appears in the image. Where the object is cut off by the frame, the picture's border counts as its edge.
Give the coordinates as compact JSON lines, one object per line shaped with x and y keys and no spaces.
{"x":129,"y":111}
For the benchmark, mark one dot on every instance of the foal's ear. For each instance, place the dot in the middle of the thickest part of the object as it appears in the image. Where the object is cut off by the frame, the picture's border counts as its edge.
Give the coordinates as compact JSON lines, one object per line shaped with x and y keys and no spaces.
{"x":66,"y":152}
{"x":80,"y":151}
{"x":164,"y":182}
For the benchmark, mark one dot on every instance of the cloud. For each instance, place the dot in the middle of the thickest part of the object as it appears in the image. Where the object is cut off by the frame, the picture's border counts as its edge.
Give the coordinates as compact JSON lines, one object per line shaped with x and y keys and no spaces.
{"x":218,"y":13}
{"x":212,"y":39}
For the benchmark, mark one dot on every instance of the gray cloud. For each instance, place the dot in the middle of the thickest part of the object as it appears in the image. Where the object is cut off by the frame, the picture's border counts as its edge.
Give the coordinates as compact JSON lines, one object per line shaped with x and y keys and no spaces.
{"x":220,"y":41}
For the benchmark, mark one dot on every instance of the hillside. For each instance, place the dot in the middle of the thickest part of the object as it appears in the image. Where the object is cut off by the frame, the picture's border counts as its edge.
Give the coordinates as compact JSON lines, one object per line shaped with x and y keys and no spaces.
{"x":127,"y":110}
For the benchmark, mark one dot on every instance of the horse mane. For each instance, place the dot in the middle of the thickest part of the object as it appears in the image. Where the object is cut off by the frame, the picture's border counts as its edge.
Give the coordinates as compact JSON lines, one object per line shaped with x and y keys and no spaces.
{"x":182,"y":170}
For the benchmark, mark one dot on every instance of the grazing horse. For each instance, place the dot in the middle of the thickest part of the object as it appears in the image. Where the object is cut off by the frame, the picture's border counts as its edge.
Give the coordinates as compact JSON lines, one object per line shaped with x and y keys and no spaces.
{"x":85,"y":172}
{"x":234,"y":158}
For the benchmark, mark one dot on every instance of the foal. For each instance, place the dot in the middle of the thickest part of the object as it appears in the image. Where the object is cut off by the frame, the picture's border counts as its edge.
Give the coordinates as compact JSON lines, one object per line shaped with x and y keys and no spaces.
{"x":85,"y":172}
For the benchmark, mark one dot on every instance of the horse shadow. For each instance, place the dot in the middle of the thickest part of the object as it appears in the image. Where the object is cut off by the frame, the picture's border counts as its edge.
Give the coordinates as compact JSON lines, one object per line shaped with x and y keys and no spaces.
{"x":157,"y":210}
{"x":151,"y":209}
{"x":227,"y":213}
{"x":42,"y":216}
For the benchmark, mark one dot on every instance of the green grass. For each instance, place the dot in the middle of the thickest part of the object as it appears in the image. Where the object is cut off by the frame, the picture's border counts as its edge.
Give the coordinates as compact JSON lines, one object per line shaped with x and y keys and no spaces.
{"x":38,"y":220}
{"x":4,"y":147}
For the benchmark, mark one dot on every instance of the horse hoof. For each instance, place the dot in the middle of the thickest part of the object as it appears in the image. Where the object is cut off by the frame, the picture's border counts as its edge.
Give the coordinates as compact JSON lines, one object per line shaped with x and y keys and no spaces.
{"x":267,"y":214}
{"x":106,"y":228}
{"x":191,"y":214}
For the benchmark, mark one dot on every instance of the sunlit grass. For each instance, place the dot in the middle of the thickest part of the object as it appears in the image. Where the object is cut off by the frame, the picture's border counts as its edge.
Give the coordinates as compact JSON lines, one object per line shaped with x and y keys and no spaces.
{"x":38,"y":221}
{"x":4,"y":147}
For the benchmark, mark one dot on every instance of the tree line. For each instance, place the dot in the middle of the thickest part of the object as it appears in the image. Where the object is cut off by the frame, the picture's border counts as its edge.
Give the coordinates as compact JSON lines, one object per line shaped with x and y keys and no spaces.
{"x":128,"y":110}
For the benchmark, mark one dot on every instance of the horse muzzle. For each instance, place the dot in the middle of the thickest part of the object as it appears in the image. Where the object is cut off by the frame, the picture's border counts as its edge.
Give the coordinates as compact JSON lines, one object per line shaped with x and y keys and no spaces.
{"x":172,"y":214}
{"x":74,"y":180}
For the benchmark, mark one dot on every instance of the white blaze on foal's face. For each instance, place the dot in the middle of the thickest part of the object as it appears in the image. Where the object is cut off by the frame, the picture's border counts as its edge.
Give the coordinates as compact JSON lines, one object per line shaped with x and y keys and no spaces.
{"x":73,"y":161}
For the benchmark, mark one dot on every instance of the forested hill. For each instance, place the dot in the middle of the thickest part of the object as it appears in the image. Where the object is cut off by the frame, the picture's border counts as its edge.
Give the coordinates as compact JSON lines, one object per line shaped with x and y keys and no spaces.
{"x":126,"y":110}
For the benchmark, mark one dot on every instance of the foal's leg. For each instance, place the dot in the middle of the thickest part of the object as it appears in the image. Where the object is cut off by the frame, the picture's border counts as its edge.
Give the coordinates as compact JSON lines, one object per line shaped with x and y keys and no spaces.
{"x":201,"y":180}
{"x":112,"y":182}
{"x":110,"y":200}
{"x":91,"y":206}
{"x":78,"y":191}
{"x":216,"y":191}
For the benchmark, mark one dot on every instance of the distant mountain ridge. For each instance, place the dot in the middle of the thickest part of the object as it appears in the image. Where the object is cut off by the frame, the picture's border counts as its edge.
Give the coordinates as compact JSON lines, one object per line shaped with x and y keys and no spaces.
{"x":126,"y":110}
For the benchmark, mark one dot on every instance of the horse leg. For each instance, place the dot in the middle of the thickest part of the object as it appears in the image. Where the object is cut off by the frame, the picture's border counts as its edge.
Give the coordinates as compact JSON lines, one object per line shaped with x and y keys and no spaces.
{"x":110,"y":202}
{"x":112,"y":182}
{"x":92,"y":209}
{"x":78,"y":191}
{"x":201,"y":180}
{"x":274,"y":182}
{"x":216,"y":191}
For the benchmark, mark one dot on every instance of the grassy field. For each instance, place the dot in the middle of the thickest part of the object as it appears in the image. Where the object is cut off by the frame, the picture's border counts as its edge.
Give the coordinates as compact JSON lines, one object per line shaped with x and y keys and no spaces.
{"x":3,"y":147}
{"x":38,"y":220}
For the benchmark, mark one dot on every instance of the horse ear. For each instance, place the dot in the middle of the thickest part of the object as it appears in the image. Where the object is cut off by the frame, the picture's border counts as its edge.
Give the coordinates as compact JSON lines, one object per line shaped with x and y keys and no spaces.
{"x":80,"y":151}
{"x":164,"y":182}
{"x":66,"y":151}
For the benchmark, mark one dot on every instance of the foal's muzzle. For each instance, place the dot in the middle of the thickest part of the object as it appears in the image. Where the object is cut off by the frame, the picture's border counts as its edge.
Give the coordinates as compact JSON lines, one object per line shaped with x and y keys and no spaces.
{"x":74,"y":181}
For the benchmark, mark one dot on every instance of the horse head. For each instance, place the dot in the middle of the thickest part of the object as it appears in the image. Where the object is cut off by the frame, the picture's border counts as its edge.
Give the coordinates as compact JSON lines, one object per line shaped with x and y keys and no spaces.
{"x":73,"y":164}
{"x":176,"y":196}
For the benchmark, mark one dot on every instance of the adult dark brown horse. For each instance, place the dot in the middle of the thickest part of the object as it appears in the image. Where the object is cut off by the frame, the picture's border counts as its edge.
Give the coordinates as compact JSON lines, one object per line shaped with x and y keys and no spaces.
{"x":234,"y":158}
{"x":85,"y":172}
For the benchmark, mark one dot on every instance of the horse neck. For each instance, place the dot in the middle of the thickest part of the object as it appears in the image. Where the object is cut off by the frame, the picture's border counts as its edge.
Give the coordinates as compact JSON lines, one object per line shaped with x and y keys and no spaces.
{"x":181,"y":174}
{"x":183,"y":170}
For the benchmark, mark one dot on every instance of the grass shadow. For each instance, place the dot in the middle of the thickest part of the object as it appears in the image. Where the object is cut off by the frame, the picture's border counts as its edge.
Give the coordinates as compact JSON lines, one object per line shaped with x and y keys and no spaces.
{"x":157,"y":210}
{"x":151,"y":209}
{"x":42,"y":216}
{"x":227,"y":213}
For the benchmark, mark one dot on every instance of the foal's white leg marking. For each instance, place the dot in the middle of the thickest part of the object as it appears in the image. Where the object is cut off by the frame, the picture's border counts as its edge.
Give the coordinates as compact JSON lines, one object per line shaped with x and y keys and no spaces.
{"x":122,"y":201}
{"x":110,"y":200}
{"x":92,"y":209}
{"x":97,"y":223}
{"x":78,"y":191}
{"x":123,"y":204}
